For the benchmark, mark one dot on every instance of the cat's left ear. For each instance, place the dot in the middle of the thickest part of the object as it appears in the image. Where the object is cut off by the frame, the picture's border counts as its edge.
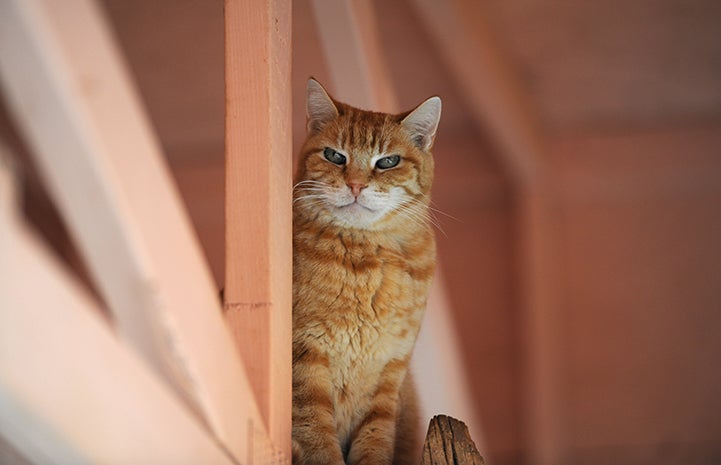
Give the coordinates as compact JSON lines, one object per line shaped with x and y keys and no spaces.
{"x":422,"y":123}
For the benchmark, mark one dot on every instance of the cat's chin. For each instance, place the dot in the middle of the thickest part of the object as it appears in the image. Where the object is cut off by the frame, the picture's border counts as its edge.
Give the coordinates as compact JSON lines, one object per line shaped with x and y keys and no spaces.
{"x":356,"y":215}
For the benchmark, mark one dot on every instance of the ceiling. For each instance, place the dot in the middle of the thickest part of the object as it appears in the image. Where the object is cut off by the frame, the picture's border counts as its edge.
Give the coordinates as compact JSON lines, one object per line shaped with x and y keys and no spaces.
{"x":588,"y":66}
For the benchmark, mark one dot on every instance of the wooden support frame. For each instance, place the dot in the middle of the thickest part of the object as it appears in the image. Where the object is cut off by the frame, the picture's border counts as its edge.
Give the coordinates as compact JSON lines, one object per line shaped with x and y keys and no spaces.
{"x":73,"y":101}
{"x":258,"y":277}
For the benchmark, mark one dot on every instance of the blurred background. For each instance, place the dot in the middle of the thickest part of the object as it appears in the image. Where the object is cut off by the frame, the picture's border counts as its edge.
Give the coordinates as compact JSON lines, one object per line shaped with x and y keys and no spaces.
{"x":626,"y":97}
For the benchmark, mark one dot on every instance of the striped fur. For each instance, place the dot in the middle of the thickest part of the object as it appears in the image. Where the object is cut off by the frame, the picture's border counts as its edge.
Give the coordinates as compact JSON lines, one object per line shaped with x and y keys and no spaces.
{"x":361,"y":273}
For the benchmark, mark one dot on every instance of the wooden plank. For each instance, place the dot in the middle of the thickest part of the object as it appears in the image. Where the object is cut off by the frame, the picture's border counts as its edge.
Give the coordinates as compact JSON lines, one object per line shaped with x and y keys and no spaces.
{"x":258,"y":286}
{"x":449,"y":443}
{"x":70,"y":391}
{"x":71,"y":96}
{"x":498,"y":101}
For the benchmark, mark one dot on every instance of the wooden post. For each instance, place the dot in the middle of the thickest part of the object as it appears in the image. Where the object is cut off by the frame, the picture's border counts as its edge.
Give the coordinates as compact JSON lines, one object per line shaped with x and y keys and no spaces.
{"x":448,"y":443}
{"x":497,"y":101}
{"x":258,"y":277}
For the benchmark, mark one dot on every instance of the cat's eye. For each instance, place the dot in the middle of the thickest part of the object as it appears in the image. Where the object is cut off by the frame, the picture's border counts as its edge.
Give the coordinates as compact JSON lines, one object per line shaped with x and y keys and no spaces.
{"x":388,"y":162}
{"x":333,"y":156}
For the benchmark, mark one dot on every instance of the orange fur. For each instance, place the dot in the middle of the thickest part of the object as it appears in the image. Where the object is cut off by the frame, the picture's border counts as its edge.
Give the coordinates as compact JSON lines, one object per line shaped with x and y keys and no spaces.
{"x":364,"y":256}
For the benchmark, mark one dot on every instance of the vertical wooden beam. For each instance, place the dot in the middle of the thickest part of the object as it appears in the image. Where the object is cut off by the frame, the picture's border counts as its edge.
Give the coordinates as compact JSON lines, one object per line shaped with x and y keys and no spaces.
{"x":72,"y":97}
{"x":497,"y":101}
{"x":258,"y":201}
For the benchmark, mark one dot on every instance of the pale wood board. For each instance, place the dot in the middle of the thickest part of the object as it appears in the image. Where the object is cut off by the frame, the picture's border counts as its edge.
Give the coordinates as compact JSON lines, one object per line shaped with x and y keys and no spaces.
{"x":70,"y":390}
{"x":258,"y":276}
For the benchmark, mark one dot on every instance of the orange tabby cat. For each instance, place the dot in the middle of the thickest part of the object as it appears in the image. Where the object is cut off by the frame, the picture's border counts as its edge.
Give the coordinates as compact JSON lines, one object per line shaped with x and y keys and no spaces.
{"x":363,"y":258}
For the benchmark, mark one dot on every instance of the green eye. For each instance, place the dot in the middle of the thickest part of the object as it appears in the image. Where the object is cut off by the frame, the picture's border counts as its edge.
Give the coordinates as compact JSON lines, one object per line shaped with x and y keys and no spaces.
{"x":333,"y":156}
{"x":388,"y":162}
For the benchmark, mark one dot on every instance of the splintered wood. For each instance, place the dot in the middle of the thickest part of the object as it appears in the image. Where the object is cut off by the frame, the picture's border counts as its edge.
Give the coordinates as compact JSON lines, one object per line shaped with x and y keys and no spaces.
{"x":449,"y":443}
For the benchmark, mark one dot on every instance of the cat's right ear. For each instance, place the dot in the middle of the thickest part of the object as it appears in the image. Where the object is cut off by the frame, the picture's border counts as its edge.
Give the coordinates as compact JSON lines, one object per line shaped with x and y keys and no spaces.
{"x":319,"y":107}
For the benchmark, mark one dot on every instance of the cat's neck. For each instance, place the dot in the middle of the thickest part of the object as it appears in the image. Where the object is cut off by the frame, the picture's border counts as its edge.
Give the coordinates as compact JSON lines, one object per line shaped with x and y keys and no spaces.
{"x":399,"y":237}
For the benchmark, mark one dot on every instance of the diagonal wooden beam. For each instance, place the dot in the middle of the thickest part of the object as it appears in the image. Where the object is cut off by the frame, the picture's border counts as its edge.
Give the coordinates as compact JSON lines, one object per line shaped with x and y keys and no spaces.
{"x":258,"y":276}
{"x":353,"y":53}
{"x":496,"y":100}
{"x":73,"y":100}
{"x":70,"y":391}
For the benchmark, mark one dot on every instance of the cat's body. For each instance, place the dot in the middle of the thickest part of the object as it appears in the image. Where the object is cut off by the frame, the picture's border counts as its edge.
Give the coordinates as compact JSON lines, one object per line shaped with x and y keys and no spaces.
{"x":364,"y":256}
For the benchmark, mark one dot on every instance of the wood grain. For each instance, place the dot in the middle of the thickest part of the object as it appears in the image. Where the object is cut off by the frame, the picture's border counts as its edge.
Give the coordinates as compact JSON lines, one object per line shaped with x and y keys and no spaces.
{"x":449,"y":443}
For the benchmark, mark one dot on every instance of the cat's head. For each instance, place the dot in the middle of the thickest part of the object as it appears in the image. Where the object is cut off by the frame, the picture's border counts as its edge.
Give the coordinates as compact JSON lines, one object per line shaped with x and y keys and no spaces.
{"x":365,"y":170}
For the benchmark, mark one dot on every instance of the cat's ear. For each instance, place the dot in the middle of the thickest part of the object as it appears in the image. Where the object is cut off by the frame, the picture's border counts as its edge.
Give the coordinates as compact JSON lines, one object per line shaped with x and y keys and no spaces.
{"x":422,"y":122}
{"x":319,"y":107}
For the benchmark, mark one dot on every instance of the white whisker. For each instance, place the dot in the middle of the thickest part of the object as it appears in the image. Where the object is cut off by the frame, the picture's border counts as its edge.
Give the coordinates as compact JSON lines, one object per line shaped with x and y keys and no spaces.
{"x":419,"y":212}
{"x":310,"y":197}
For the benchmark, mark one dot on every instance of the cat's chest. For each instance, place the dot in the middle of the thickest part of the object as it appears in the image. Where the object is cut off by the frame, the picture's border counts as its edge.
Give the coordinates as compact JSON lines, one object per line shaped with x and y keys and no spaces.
{"x":360,"y":300}
{"x":376,"y":312}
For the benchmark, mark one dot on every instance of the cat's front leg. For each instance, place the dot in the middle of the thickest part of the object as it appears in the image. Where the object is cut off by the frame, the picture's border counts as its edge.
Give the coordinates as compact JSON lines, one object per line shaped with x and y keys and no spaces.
{"x":373,"y":440}
{"x":315,"y":439}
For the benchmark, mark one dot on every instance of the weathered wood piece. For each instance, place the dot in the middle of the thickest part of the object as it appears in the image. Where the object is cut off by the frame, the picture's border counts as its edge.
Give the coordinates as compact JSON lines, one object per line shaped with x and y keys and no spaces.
{"x":449,"y":443}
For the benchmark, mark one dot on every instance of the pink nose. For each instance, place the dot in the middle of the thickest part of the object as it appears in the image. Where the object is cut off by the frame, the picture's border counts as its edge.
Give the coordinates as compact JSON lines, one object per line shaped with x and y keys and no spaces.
{"x":356,"y":188}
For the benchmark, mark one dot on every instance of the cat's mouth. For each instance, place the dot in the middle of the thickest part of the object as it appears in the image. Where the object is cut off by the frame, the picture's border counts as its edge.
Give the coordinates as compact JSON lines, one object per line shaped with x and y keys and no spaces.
{"x":355,"y":206}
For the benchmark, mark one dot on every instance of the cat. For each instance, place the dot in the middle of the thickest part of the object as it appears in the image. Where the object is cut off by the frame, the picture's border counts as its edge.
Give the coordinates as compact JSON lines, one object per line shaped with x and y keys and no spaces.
{"x":363,"y":259}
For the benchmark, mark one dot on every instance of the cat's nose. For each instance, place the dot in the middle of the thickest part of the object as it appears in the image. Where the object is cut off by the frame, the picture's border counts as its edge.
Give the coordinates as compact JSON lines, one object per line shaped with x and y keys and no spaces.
{"x":356,"y":188}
